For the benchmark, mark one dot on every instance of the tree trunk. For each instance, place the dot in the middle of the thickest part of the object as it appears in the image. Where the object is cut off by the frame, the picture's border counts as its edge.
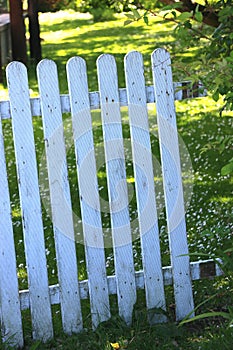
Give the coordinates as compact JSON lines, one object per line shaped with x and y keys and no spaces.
{"x":34,"y":30}
{"x":18,"y":38}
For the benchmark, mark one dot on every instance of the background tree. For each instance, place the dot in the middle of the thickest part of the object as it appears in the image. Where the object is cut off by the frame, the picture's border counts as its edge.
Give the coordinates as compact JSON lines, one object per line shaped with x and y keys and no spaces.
{"x":18,"y":38}
{"x":34,"y":29}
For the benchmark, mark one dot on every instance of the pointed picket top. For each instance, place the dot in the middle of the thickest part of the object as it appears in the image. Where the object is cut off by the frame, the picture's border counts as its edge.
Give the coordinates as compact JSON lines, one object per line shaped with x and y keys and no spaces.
{"x":173,"y":188}
{"x":26,"y":165}
{"x":117,"y":186}
{"x":62,"y":215}
{"x":88,"y":190}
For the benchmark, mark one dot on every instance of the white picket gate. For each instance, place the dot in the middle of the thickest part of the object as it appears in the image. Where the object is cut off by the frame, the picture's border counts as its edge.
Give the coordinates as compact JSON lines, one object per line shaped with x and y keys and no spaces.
{"x":68,"y":293}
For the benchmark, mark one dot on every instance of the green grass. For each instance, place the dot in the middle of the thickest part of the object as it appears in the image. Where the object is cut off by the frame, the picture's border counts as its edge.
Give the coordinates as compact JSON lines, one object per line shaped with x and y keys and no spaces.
{"x":208,"y":194}
{"x":140,"y":336}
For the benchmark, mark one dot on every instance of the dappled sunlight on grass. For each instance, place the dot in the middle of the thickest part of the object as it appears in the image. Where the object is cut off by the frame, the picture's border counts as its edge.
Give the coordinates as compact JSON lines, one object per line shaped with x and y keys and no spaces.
{"x":16,"y":212}
{"x":22,"y":273}
{"x":223,"y":200}
{"x":77,"y":35}
{"x":208,"y":195}
{"x":198,"y":106}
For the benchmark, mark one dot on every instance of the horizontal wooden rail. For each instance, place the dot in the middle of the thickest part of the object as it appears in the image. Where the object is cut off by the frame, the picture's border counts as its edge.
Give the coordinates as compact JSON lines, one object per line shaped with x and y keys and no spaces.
{"x":182,"y":91}
{"x":199,"y":270}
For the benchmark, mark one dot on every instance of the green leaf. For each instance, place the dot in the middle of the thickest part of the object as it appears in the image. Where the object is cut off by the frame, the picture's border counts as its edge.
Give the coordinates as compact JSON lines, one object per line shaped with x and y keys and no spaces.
{"x":187,"y":317}
{"x":172,"y":6}
{"x":184,"y":16}
{"x":227,"y":169}
{"x":35,"y":345}
{"x":130,"y":15}
{"x":146,"y":20}
{"x":205,"y":315}
{"x":136,"y":14}
{"x":198,"y":16}
{"x":128,"y":21}
{"x":215,"y":96}
{"x":187,"y":24}
{"x":230,"y":250}
{"x":174,"y":14}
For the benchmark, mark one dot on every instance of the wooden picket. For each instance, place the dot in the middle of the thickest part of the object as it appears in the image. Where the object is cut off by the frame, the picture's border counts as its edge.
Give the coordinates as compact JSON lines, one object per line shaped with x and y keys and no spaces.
{"x":144,"y":181}
{"x":88,"y":189}
{"x":10,"y":315}
{"x":117,"y":185}
{"x":98,"y":287}
{"x":172,"y":181}
{"x":30,"y":201}
{"x":60,"y":197}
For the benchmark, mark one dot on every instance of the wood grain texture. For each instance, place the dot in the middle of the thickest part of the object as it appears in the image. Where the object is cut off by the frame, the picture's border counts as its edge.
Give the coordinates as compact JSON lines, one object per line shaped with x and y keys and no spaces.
{"x":195,"y":267}
{"x":10,"y":316}
{"x":182,"y":90}
{"x":98,"y":287}
{"x":144,"y":182}
{"x":88,"y":190}
{"x":62,"y":215}
{"x":172,"y":180}
{"x":30,"y":201}
{"x":117,"y":186}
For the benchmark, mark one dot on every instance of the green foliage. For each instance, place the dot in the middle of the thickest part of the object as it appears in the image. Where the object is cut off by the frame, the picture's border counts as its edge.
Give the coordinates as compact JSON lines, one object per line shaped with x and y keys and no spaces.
{"x":55,"y":5}
{"x":102,"y":14}
{"x":114,"y":5}
{"x":220,"y":145}
{"x":224,"y":258}
{"x":228,"y":168}
{"x":3,"y":6}
{"x":214,"y":63}
{"x":67,"y":34}
{"x":102,"y":10}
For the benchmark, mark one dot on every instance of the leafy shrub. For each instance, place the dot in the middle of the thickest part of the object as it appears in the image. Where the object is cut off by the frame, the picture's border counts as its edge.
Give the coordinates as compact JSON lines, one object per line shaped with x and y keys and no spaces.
{"x":114,"y":5}
{"x":55,"y":5}
{"x":102,"y":14}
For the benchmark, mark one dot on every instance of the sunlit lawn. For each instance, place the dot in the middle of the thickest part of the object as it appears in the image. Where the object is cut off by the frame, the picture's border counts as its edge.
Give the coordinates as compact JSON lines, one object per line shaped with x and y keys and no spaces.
{"x":208,"y":194}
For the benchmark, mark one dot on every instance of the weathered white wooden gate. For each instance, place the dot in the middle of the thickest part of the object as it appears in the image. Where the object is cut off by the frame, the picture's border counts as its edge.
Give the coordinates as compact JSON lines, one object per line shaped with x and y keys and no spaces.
{"x":50,"y":105}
